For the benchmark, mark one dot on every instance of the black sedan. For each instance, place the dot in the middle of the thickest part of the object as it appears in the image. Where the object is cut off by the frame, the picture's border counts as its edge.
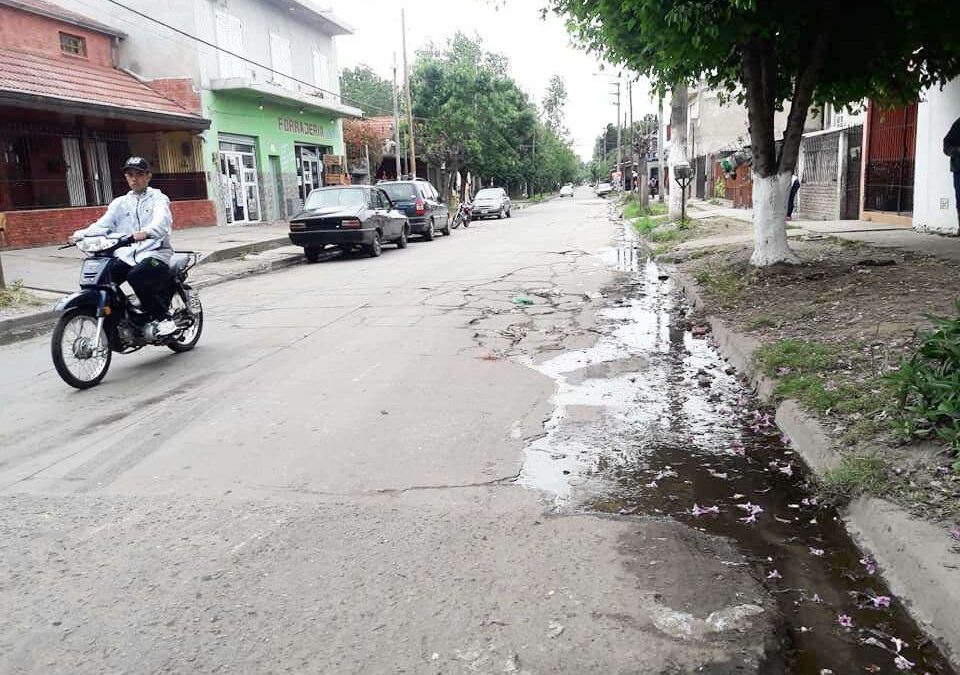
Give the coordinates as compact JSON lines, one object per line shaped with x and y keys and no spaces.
{"x":348,"y":217}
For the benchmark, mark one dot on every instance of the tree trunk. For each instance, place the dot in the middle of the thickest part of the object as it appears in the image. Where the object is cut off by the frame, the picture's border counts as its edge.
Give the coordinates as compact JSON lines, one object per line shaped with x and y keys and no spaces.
{"x":769,"y":185}
{"x":769,"y":220}
{"x":3,"y":284}
{"x":678,"y":146}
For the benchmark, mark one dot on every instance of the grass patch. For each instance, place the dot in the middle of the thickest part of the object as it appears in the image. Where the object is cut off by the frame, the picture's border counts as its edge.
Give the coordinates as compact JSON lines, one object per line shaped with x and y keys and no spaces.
{"x":726,"y":285}
{"x":15,"y":295}
{"x":633,"y":209}
{"x":645,"y":225}
{"x":762,"y":322}
{"x":814,"y":374}
{"x":856,"y":475}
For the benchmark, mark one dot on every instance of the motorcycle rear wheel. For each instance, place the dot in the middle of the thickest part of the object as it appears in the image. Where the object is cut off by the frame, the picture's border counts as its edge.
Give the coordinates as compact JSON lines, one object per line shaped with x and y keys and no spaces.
{"x":188,"y":339}
{"x":72,"y":349}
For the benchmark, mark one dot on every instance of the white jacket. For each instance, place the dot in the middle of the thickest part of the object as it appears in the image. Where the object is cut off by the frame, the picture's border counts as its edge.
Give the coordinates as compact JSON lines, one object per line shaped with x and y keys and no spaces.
{"x":150,"y":212}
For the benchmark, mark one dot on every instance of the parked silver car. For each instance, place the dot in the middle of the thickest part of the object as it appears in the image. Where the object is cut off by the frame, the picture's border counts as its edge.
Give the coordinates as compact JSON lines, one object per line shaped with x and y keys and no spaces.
{"x":491,"y":202}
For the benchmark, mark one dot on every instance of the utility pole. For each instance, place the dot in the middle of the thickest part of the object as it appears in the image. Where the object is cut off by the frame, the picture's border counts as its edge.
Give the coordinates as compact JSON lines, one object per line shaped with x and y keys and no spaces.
{"x":3,"y":284}
{"x":631,"y":140}
{"x":660,"y":186}
{"x":396,"y":118}
{"x":534,"y":187}
{"x":619,"y":135}
{"x":406,"y":77}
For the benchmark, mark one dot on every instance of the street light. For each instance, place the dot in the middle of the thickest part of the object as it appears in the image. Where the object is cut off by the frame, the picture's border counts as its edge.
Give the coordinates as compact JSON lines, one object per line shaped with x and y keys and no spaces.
{"x":683,"y":174}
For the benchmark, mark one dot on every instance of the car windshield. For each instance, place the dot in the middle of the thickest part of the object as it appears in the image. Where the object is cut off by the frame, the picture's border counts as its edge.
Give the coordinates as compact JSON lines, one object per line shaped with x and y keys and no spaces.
{"x":324,"y":199}
{"x":399,"y":192}
{"x":488,"y":194}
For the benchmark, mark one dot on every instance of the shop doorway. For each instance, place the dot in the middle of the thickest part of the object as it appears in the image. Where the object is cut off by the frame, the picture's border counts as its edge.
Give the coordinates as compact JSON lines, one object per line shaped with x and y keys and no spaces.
{"x":309,"y":168}
{"x":239,"y":182}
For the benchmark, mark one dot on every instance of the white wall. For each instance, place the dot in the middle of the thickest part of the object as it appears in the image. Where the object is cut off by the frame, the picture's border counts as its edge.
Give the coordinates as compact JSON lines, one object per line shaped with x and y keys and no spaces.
{"x":934,"y":202}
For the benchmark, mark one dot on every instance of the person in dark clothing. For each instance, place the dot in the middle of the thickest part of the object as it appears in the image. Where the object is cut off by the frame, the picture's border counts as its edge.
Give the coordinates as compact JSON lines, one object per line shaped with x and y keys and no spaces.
{"x":792,"y":199}
{"x":951,"y":148}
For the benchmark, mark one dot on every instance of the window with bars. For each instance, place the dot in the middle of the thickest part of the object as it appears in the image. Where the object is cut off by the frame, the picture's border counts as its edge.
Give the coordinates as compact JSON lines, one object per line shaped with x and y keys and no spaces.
{"x":73,"y":44}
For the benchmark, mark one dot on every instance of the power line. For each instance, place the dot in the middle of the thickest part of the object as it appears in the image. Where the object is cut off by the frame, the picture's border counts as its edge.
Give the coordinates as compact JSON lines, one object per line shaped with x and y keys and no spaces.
{"x":238,"y":56}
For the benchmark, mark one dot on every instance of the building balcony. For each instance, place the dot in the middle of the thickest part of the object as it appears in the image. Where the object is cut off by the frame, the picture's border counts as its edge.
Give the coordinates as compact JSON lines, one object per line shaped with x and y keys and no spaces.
{"x":276,"y":93}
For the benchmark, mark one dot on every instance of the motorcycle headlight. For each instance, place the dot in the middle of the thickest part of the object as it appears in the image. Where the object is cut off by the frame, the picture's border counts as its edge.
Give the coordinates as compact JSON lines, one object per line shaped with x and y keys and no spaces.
{"x":94,"y":244}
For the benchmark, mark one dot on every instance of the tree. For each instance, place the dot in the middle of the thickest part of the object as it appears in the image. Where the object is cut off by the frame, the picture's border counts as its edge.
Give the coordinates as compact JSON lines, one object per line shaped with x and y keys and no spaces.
{"x":359,"y":138}
{"x":764,"y":53}
{"x":554,"y":104}
{"x":364,"y":89}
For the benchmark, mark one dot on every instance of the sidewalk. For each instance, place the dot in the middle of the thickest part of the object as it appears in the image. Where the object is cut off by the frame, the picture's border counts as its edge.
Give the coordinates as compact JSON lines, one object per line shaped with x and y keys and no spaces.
{"x":874,"y":234}
{"x":48,"y":269}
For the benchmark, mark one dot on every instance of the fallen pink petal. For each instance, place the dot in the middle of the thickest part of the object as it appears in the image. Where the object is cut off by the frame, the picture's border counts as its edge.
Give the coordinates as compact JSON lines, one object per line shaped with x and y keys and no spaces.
{"x":955,"y":533}
{"x":869,"y":563}
{"x":817,"y":551}
{"x":902,"y":663}
{"x":775,"y":574}
{"x":702,"y":511}
{"x":880,"y":600}
{"x":845,"y":621}
{"x":899,"y":644}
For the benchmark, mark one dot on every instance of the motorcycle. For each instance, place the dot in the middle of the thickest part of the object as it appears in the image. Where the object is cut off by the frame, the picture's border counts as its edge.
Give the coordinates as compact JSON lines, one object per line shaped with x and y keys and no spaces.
{"x":100,"y":319}
{"x":463,"y":215}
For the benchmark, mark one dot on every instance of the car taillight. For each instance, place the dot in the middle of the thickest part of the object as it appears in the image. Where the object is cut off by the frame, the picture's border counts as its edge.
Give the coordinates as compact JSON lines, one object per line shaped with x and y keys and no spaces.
{"x":350,"y":222}
{"x":420,"y":207}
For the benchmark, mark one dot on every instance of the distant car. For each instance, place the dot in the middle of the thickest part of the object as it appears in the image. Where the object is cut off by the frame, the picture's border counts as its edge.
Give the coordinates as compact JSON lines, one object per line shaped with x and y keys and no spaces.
{"x":421,"y":203}
{"x":491,"y":202}
{"x":603,"y":189}
{"x":348,"y":217}
{"x":567,"y":190}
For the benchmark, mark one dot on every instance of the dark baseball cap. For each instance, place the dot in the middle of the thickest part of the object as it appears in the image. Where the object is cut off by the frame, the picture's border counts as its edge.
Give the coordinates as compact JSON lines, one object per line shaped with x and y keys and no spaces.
{"x":138,"y":163}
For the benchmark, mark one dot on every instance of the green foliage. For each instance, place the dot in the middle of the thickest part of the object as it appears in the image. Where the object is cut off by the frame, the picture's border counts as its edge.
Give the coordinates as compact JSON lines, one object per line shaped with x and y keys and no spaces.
{"x":720,"y":189}
{"x":805,"y":371}
{"x":855,"y":475}
{"x":928,"y":385}
{"x":765,"y":53}
{"x":474,"y":117}
{"x":15,"y":295}
{"x":363,"y":88}
{"x":554,"y":102}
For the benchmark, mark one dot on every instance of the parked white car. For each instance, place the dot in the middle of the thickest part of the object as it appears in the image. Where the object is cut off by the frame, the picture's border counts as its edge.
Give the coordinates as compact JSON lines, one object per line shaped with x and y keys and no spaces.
{"x":603,"y":189}
{"x":567,"y":190}
{"x":490,"y":202}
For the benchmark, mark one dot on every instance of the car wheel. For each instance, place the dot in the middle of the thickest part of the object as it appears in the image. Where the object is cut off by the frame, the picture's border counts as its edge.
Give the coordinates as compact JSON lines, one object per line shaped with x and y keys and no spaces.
{"x":376,"y":248}
{"x":430,"y":233}
{"x":510,"y":213}
{"x":446,"y":230}
{"x":402,"y":241}
{"x":500,"y":215}
{"x":312,"y":254}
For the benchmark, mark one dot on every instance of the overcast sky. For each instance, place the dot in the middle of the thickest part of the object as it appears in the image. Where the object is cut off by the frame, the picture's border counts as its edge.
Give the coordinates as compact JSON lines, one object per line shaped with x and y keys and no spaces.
{"x":537,"y":49}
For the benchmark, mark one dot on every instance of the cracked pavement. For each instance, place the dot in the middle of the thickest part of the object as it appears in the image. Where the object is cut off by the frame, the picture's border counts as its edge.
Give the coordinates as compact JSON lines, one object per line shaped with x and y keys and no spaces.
{"x":327,"y":484}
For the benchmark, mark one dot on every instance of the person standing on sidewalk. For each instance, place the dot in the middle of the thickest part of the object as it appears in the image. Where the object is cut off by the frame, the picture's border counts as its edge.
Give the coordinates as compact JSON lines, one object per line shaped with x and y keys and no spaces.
{"x":144,"y":213}
{"x":951,"y":148}
{"x":792,"y":198}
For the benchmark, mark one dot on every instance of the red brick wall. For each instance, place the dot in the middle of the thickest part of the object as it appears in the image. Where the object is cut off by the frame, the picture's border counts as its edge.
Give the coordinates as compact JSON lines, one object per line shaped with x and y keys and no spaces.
{"x":25,"y":229}
{"x":181,"y":90}
{"x":33,"y":33}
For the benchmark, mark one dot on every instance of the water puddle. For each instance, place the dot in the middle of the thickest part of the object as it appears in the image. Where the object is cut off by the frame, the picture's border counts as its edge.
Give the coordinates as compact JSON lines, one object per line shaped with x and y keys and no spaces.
{"x":650,"y":420}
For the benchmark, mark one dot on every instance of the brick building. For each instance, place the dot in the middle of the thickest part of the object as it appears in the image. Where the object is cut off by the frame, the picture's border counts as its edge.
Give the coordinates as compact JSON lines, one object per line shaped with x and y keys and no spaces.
{"x":68,"y":119}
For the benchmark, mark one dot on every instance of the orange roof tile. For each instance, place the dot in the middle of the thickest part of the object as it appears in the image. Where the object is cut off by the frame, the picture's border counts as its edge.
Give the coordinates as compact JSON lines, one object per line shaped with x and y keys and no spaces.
{"x":68,"y":79}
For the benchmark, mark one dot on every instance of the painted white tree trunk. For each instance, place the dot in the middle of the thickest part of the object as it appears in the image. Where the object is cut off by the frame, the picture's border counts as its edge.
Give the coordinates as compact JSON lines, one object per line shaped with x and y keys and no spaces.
{"x":677,"y":156}
{"x":769,"y":221}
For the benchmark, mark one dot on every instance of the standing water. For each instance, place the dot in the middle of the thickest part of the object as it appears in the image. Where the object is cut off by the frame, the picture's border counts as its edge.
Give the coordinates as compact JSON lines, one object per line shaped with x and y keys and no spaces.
{"x":677,"y":435}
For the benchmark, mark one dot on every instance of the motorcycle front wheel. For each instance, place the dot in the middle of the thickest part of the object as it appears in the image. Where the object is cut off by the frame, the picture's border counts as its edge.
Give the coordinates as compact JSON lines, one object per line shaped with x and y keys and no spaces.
{"x":72,"y":346}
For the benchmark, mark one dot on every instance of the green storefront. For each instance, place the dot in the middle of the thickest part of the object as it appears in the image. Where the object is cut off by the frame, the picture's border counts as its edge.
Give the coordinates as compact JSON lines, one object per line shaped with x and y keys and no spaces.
{"x":265,"y":151}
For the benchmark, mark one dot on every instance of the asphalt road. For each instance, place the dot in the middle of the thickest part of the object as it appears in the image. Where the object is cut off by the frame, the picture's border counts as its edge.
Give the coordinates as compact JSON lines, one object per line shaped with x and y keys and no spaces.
{"x":327,"y":485}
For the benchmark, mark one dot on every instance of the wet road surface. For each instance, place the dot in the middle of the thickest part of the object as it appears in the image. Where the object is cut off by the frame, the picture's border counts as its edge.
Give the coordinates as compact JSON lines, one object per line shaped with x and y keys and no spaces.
{"x":675,"y":434}
{"x":479,"y":454}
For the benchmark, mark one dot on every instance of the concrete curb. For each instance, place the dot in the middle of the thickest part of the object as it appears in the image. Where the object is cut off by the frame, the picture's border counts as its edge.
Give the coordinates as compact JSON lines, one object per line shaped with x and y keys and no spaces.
{"x":914,"y":556}
{"x":244,"y":249}
{"x":19,"y":328}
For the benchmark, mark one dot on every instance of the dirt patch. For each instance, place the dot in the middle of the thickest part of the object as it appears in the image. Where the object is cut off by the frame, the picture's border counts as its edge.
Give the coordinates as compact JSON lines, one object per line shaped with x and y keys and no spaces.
{"x":831,"y":331}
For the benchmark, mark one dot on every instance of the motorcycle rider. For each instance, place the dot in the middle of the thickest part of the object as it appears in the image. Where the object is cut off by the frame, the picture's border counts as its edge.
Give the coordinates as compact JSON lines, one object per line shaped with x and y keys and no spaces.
{"x":144,"y":213}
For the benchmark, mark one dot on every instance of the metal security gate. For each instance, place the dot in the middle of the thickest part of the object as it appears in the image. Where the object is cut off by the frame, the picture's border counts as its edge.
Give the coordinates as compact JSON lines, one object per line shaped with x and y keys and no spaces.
{"x":851,"y":202}
{"x":891,"y":147}
{"x":701,"y":180}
